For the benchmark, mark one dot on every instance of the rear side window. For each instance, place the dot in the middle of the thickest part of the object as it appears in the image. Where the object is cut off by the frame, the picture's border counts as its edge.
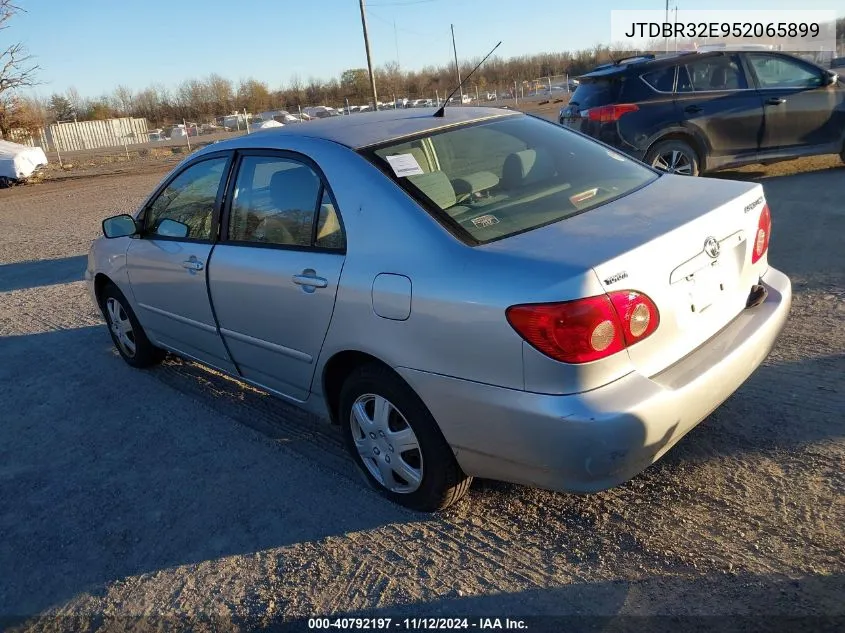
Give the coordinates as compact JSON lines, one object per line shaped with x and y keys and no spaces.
{"x":661,"y":80}
{"x":274,"y":202}
{"x":596,"y":92}
{"x":713,"y":74}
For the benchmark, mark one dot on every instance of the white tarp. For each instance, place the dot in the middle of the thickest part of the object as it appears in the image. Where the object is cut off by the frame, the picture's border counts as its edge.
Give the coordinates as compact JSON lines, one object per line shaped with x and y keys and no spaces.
{"x":265,"y":125}
{"x":18,"y":161}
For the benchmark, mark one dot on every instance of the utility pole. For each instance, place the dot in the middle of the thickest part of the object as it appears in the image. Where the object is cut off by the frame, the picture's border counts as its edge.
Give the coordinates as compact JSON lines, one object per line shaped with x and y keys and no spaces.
{"x":457,"y":68}
{"x":369,"y":58}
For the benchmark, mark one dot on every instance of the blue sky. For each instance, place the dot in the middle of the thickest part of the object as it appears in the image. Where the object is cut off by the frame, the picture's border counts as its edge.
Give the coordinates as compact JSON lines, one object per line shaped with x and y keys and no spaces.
{"x":94,"y":45}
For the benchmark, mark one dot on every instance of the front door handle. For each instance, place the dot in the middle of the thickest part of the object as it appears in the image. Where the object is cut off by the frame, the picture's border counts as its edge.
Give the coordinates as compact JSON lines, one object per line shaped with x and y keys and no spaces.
{"x":693,"y":109}
{"x":775,"y":101}
{"x":310,"y":281}
{"x":192,"y":264}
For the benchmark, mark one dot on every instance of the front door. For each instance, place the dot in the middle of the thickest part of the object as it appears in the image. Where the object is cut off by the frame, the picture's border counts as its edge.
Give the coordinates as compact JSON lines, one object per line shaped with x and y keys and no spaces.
{"x":713,"y":98}
{"x":800,"y":112}
{"x":168,"y":263}
{"x":275,"y":274}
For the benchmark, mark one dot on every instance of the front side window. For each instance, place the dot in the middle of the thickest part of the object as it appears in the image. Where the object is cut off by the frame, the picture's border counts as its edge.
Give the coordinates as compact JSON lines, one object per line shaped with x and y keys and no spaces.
{"x":722,"y":72}
{"x":494,"y":179}
{"x":275,"y":201}
{"x":779,"y":72}
{"x":188,"y":200}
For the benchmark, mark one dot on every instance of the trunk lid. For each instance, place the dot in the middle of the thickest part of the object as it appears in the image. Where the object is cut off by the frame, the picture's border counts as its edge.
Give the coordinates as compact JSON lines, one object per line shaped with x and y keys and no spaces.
{"x":685,"y":242}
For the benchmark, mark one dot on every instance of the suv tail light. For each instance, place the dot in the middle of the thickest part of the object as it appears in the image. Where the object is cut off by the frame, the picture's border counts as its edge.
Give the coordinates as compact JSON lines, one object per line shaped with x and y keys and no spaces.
{"x":609,"y":113}
{"x":588,"y":329}
{"x":764,"y":232}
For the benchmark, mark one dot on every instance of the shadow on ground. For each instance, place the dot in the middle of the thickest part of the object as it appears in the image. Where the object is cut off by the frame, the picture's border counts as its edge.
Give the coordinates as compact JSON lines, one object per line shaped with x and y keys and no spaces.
{"x":720,"y":602}
{"x":104,"y":474}
{"x":42,"y":272}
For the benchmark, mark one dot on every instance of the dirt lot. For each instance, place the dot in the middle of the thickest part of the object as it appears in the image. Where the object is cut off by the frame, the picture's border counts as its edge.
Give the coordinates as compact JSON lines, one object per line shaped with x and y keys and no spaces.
{"x":178,"y":494}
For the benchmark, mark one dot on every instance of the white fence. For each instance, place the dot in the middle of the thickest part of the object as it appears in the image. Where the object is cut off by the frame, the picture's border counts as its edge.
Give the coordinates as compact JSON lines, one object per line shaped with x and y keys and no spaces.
{"x":92,"y":134}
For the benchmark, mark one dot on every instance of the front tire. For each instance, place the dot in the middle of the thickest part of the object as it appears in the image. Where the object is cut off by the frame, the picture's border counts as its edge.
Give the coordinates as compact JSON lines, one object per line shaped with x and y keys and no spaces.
{"x":395,"y":442}
{"x":126,"y":332}
{"x":674,"y":157}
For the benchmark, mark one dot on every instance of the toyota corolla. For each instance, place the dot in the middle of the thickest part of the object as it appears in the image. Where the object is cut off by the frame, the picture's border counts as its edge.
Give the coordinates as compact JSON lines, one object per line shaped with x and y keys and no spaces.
{"x":479,"y":294}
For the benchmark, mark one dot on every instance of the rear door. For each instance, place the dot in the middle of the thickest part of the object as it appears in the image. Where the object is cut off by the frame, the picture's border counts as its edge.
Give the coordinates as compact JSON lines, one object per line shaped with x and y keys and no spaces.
{"x":168,"y":263}
{"x":800,"y":112}
{"x":718,"y":103}
{"x":275,"y":273}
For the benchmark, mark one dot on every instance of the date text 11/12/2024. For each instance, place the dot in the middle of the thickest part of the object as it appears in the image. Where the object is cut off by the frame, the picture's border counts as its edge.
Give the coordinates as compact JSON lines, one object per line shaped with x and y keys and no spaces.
{"x":416,"y":624}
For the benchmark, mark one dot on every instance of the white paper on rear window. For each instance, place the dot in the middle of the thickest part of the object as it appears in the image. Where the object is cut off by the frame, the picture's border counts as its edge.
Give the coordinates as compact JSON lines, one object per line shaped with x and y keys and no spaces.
{"x":404,"y":165}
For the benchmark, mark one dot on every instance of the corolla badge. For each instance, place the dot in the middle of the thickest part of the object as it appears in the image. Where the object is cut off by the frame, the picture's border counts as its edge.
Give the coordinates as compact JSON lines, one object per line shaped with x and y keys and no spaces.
{"x":711,"y":247}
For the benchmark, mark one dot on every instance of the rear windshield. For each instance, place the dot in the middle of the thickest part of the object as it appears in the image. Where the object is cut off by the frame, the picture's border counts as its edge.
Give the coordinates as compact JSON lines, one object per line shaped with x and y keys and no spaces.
{"x":596,"y":92}
{"x":487,"y":181}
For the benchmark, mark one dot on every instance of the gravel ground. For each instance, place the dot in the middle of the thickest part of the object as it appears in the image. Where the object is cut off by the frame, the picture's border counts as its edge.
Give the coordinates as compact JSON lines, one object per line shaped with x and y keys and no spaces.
{"x":178,"y":495}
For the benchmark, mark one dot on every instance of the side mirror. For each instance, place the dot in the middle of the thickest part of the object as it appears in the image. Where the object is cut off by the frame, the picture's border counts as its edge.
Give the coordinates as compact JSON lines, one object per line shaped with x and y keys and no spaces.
{"x":119,"y":226}
{"x":172,"y":228}
{"x":830,"y":78}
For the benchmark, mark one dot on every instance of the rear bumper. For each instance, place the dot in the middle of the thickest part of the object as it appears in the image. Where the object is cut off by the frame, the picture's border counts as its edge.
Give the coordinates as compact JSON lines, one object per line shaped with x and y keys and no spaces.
{"x":599,"y":439}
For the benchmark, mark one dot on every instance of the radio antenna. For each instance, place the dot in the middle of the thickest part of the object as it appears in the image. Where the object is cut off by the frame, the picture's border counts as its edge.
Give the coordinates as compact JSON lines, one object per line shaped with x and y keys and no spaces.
{"x":441,"y":109}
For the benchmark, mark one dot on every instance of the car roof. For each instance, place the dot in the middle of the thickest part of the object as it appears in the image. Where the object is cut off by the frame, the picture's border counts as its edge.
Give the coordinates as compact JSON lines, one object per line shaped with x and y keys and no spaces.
{"x":366,"y":129}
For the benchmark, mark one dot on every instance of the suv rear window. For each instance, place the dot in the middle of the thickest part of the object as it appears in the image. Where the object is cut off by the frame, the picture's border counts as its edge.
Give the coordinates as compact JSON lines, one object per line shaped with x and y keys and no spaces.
{"x":595,"y":92}
{"x":490,"y":180}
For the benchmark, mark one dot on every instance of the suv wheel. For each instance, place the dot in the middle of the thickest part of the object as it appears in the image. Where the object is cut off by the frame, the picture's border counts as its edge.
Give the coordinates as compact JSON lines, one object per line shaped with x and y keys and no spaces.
{"x":395,"y":441}
{"x":673,"y":157}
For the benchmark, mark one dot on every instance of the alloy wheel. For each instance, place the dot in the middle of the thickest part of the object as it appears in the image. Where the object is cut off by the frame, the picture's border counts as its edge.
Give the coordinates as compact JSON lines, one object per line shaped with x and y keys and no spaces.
{"x":673,"y":162}
{"x":386,"y":444}
{"x":121,"y":326}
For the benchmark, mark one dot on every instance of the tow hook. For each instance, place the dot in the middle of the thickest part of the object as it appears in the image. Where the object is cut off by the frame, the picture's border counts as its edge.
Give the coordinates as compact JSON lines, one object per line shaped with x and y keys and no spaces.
{"x":757,"y":296}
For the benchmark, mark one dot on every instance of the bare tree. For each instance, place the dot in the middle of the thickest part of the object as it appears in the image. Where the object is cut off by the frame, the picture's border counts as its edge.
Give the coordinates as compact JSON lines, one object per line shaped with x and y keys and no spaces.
{"x":16,"y":71}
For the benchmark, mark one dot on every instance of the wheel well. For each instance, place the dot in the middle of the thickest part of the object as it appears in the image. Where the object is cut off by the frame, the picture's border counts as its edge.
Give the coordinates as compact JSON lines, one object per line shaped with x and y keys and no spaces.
{"x":689,"y":139}
{"x":336,"y":371}
{"x":100,"y":282}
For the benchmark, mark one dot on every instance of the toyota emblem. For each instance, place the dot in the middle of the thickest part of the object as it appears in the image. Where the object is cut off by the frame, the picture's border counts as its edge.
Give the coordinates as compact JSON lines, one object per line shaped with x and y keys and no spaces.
{"x":711,"y":247}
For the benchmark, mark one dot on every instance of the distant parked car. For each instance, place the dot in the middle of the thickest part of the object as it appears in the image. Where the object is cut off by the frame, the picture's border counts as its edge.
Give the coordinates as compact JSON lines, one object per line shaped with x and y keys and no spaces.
{"x":695,"y":112}
{"x":483,"y":294}
{"x":838,"y":64}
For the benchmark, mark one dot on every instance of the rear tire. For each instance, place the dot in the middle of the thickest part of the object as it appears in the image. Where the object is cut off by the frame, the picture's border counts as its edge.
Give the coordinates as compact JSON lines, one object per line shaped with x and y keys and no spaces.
{"x":401,"y":452}
{"x":126,"y":332}
{"x":674,"y":157}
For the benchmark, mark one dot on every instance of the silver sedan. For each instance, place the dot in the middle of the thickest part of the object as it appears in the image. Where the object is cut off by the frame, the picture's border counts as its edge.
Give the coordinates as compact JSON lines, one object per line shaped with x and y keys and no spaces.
{"x":482,"y":294}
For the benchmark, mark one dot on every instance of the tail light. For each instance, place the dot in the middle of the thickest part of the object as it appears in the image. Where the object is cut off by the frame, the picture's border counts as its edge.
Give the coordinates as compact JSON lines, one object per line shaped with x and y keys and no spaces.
{"x":587,"y":329}
{"x":609,"y":113}
{"x":764,"y":232}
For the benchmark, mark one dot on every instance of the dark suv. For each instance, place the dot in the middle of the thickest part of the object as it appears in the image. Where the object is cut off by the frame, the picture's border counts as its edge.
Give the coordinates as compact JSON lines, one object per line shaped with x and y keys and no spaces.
{"x":693,"y":112}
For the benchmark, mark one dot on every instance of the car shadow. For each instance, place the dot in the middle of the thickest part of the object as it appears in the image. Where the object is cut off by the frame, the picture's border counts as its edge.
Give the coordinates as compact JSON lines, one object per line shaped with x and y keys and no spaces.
{"x":105,"y":475}
{"x":42,"y":272}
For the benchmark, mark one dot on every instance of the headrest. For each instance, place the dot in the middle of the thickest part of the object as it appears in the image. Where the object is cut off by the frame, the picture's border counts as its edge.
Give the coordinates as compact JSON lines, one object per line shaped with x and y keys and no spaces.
{"x":436,"y":186}
{"x":294,"y":188}
{"x":719,"y":77}
{"x":527,"y":167}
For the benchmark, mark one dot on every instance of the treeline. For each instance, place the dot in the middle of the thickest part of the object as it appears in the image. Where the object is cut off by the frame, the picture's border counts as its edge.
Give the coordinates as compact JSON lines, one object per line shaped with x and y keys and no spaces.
{"x":202,"y":99}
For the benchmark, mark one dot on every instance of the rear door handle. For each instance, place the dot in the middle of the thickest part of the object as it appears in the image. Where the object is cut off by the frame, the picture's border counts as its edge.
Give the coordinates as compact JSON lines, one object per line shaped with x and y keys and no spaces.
{"x":192,"y":264}
{"x":775,"y":101}
{"x":693,"y":109}
{"x":308,"y":280}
